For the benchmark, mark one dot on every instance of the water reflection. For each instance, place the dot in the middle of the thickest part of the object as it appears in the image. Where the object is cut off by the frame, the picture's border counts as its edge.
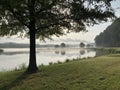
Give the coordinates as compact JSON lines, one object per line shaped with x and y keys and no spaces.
{"x":89,"y":50}
{"x":100,"y":52}
{"x":12,"y":58}
{"x":1,"y":53}
{"x":63,"y":53}
{"x":56,"y":52}
{"x":82,"y":52}
{"x":13,"y":53}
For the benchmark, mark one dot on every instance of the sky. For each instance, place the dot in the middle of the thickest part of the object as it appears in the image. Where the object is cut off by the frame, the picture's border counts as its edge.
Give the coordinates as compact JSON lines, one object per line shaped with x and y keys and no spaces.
{"x":72,"y":37}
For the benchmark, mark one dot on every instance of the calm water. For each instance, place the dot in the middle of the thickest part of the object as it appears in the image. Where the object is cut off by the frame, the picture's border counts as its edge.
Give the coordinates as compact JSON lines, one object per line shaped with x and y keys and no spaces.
{"x":14,"y":57}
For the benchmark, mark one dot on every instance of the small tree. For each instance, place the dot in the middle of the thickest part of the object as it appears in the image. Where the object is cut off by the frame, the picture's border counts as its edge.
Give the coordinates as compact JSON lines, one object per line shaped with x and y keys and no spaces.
{"x":45,"y":18}
{"x":63,"y":45}
{"x":82,"y":45}
{"x":88,"y":45}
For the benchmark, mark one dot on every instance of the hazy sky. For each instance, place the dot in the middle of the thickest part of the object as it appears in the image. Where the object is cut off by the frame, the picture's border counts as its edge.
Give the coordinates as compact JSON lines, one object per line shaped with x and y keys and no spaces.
{"x":84,"y":36}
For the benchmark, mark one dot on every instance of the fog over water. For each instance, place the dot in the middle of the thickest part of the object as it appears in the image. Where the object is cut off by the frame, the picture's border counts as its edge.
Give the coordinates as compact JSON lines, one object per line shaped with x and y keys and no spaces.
{"x":13,"y":58}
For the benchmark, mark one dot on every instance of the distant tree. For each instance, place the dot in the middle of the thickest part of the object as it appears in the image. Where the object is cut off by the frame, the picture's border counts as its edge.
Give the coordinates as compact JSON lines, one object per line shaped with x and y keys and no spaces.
{"x":82,"y":45}
{"x":40,"y":19}
{"x":88,"y":45}
{"x":62,"y":45}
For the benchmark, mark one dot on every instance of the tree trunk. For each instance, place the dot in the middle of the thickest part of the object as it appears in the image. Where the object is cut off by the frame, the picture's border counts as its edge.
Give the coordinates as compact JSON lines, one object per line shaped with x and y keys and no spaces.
{"x":32,"y":68}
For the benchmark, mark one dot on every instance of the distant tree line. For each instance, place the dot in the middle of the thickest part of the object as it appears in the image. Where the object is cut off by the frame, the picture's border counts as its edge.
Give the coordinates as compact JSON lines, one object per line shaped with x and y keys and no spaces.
{"x":83,"y":45}
{"x":111,"y":36}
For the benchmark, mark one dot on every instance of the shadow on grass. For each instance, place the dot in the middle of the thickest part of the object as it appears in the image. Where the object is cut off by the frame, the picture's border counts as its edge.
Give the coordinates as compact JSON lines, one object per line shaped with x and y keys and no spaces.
{"x":14,"y":82}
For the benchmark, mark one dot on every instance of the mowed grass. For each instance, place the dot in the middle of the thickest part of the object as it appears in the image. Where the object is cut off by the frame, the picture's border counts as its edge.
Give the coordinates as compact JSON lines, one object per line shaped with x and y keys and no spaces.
{"x":100,"y":73}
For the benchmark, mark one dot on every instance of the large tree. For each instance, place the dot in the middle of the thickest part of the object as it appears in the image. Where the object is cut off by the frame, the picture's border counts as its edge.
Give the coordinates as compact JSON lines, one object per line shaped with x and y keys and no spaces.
{"x":43,"y":18}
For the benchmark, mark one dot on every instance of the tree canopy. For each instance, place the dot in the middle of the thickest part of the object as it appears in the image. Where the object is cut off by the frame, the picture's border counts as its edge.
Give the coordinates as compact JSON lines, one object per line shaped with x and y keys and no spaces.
{"x":45,"y":18}
{"x":111,"y":36}
{"x":51,"y":17}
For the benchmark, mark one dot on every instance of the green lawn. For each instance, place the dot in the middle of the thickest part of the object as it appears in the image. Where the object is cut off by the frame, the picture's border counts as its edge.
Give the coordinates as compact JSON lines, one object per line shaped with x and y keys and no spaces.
{"x":100,"y":73}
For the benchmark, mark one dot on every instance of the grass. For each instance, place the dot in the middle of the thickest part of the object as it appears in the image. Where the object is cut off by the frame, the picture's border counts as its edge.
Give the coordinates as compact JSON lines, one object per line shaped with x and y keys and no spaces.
{"x":100,"y":73}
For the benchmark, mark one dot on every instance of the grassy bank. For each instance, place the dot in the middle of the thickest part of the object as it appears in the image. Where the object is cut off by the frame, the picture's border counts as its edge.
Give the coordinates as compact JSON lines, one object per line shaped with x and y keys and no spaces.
{"x":100,"y":73}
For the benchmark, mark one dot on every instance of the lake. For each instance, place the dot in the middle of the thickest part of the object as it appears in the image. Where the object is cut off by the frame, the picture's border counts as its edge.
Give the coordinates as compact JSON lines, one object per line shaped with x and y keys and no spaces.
{"x":14,"y":57}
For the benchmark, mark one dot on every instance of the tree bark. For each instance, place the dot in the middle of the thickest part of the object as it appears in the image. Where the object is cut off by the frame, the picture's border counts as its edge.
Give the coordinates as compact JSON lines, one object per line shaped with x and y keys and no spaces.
{"x":32,"y":68}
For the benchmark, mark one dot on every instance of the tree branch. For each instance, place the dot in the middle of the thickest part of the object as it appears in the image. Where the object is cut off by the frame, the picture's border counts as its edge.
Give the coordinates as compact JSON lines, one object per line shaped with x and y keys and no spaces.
{"x":48,"y":7}
{"x":17,"y":16}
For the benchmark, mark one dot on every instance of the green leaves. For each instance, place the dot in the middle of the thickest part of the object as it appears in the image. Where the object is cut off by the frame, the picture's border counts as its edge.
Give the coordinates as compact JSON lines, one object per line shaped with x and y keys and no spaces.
{"x":52,"y":17}
{"x":111,"y":36}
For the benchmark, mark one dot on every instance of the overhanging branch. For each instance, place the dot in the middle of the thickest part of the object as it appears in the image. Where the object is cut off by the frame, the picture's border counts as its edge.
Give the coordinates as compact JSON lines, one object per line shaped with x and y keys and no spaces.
{"x":18,"y":17}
